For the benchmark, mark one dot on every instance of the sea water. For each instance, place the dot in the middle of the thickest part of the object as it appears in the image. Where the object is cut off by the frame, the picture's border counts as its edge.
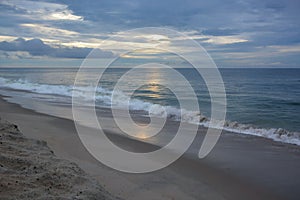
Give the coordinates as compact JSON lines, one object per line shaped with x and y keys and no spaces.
{"x":263,"y":102}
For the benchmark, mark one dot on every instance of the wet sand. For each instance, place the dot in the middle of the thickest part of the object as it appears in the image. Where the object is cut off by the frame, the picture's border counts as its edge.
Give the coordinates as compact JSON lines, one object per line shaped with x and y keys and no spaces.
{"x":239,"y":167}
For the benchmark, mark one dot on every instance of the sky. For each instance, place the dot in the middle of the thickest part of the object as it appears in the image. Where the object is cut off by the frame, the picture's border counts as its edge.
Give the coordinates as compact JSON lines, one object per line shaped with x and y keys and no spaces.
{"x":235,"y":33}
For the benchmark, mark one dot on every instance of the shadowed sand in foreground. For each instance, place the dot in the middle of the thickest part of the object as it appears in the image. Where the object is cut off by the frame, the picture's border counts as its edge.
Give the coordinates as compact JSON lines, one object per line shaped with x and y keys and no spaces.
{"x":30,"y":170}
{"x":239,"y":167}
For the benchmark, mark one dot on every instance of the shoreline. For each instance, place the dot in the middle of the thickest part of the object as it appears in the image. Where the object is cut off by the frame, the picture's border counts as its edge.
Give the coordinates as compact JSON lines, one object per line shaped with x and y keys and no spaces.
{"x":225,"y":174}
{"x":277,"y":134}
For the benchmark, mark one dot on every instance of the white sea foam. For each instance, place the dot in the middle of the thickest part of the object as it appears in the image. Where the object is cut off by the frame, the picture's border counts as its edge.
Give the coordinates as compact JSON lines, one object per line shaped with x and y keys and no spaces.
{"x":35,"y":87}
{"x":276,"y":134}
{"x":105,"y":96}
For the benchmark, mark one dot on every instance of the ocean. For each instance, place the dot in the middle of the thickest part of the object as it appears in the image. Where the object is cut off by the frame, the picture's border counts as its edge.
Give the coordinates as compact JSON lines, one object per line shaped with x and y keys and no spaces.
{"x":263,"y":102}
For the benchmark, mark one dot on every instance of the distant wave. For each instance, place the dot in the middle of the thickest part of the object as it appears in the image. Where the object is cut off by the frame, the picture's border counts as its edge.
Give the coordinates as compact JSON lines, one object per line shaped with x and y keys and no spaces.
{"x":104,"y":96}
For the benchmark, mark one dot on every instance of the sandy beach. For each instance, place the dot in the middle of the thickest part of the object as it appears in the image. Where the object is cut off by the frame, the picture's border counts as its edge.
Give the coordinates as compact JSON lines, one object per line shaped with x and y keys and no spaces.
{"x":149,"y":100}
{"x":239,"y":167}
{"x":29,"y":169}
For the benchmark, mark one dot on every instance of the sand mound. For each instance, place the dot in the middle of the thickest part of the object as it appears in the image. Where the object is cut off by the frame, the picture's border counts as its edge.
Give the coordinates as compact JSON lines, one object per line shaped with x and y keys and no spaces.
{"x":30,"y":170}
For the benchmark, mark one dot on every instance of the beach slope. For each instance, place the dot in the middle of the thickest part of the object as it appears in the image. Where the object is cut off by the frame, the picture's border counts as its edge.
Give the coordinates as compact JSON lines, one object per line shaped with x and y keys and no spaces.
{"x":30,"y":170}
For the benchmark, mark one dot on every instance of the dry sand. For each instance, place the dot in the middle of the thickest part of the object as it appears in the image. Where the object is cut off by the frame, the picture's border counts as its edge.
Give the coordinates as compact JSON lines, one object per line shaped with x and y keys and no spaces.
{"x":239,"y":167}
{"x":30,"y":170}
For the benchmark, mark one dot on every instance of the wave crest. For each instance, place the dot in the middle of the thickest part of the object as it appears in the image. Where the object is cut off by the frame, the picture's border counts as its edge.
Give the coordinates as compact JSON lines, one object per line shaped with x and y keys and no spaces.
{"x":105,"y":96}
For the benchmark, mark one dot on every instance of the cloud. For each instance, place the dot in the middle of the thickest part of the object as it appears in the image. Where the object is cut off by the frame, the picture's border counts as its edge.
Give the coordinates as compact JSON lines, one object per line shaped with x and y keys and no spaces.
{"x":45,"y":30}
{"x":220,"y":32}
{"x":223,"y":28}
{"x":221,"y":40}
{"x":36,"y":47}
{"x":42,"y":10}
{"x":14,"y":55}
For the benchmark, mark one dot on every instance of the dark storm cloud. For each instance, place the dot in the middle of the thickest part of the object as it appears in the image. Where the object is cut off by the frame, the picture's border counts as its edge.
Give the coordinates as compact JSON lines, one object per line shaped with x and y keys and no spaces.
{"x":37,"y":47}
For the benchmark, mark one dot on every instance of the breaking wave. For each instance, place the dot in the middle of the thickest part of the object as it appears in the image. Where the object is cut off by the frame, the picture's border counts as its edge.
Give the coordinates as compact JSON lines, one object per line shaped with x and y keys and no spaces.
{"x":103,"y":96}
